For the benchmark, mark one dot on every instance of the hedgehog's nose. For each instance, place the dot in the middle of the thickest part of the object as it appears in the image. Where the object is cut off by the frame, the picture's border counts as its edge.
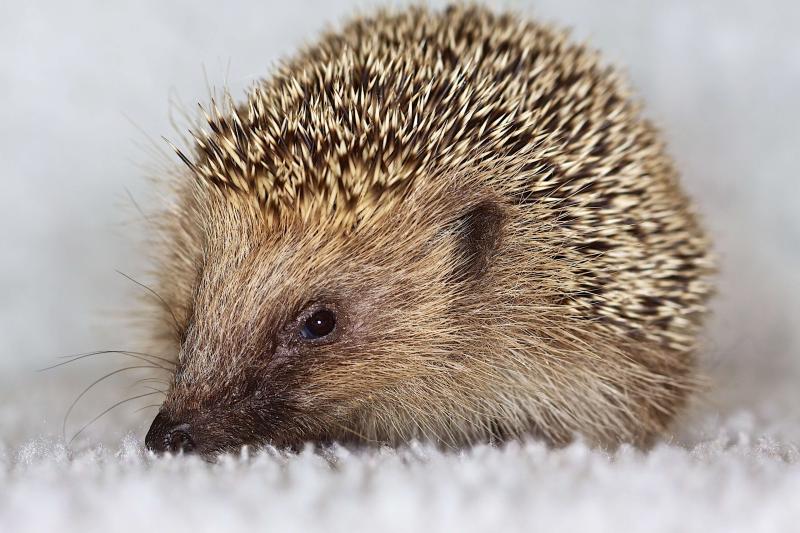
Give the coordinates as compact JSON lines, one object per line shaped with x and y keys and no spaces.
{"x":166,"y":436}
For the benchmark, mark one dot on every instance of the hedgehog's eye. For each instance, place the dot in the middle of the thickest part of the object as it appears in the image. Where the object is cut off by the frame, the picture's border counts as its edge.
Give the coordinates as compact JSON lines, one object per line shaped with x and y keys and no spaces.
{"x":320,"y":324}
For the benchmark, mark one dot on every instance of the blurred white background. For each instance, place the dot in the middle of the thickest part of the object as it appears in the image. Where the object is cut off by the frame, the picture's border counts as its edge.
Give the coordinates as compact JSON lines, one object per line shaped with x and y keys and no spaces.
{"x":83,"y":84}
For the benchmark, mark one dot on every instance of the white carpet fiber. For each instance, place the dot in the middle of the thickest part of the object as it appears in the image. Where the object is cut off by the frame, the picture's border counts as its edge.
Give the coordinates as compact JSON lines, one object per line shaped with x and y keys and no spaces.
{"x":729,"y":484}
{"x":85,"y":83}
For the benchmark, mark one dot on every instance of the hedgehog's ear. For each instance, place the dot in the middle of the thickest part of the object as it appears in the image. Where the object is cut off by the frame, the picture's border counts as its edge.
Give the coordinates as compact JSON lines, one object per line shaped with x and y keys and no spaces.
{"x":478,"y":233}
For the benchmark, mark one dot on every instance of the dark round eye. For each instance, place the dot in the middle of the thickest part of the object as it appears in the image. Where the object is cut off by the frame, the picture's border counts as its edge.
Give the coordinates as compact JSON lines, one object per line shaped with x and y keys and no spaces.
{"x":319,"y":324}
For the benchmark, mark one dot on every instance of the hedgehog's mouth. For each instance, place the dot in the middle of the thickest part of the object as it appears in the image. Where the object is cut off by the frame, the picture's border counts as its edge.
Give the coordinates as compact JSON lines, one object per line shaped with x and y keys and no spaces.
{"x":209,"y":434}
{"x":192,"y":435}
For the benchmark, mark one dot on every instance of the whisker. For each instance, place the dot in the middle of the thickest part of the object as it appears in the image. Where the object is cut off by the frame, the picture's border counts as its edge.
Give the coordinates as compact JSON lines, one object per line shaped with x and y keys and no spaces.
{"x":154,"y":389}
{"x":95,"y":419}
{"x":133,"y":200}
{"x":147,"y":407}
{"x":145,"y":357}
{"x":143,"y":354}
{"x":152,"y":380}
{"x":86,"y":391}
{"x":158,"y":296}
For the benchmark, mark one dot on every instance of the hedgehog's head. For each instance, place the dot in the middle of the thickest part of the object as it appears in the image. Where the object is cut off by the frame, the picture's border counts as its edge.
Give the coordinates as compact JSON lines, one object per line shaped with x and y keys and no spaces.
{"x":311,"y":329}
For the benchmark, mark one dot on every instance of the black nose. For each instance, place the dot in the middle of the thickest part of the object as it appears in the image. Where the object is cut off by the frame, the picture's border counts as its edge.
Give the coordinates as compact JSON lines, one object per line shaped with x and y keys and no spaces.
{"x":166,"y":436}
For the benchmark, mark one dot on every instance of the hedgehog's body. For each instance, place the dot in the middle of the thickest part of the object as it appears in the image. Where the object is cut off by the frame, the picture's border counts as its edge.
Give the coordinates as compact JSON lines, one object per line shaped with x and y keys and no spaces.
{"x":495,"y":234}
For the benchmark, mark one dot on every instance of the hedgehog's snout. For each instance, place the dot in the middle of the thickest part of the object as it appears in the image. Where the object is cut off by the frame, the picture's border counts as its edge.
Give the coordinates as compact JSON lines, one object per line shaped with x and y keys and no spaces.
{"x":167,"y":436}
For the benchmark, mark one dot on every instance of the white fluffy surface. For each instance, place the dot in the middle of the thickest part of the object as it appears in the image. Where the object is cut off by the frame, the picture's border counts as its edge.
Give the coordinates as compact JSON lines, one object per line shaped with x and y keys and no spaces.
{"x":722,"y":485}
{"x":79,"y":83}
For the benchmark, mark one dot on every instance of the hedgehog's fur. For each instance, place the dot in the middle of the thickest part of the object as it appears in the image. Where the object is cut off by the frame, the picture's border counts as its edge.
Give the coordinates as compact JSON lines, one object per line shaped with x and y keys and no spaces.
{"x":500,"y":232}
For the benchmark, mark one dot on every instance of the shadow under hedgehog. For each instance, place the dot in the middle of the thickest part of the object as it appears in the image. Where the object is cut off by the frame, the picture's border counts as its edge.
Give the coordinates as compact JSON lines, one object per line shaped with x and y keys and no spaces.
{"x":451,"y":226}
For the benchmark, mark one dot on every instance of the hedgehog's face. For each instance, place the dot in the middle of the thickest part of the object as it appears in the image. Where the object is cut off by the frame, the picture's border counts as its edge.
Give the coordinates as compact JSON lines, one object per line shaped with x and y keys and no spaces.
{"x":315,"y":334}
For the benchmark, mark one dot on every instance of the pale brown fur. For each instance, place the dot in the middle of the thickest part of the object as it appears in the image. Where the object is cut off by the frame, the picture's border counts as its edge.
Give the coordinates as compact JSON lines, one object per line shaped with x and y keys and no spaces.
{"x":501,"y":234}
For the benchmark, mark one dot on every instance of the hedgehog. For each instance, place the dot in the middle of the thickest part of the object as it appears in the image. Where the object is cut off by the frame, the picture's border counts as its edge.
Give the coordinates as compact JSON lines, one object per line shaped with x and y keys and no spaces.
{"x":450,"y":226}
